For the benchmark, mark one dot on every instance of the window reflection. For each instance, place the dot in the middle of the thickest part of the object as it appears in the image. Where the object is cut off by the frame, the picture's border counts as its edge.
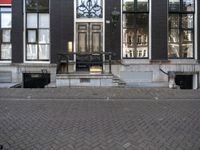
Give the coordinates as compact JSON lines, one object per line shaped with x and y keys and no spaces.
{"x":37,"y":5}
{"x":174,"y":35}
{"x":181,"y":29}
{"x":128,"y":5}
{"x":142,"y":5}
{"x":174,"y":21}
{"x":187,"y":21}
{"x":135,"y":5}
{"x":188,"y":5}
{"x":135,"y":28}
{"x":174,"y":5}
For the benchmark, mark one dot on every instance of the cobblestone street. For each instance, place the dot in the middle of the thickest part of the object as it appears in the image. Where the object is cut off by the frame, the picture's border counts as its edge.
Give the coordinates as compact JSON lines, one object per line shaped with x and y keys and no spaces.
{"x":99,"y":124}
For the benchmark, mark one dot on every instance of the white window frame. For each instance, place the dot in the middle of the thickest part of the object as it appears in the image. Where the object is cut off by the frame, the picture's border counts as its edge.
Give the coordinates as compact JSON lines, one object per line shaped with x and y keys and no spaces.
{"x":24,"y":38}
{"x":7,"y":61}
{"x":193,"y":60}
{"x":138,"y":60}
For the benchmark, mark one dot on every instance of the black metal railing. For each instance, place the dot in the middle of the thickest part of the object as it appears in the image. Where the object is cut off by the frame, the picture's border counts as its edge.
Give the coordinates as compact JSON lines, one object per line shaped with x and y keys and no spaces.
{"x":83,"y":60}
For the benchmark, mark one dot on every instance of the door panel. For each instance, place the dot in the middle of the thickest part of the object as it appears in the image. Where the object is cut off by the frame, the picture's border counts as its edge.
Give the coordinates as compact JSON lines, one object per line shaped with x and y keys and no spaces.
{"x":82,"y":42}
{"x":89,"y":42}
{"x":82,"y":37}
{"x":96,"y":42}
{"x":89,"y":37}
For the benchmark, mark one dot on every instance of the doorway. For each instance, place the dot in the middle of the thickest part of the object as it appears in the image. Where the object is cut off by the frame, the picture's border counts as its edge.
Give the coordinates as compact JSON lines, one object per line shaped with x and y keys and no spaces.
{"x":184,"y":81}
{"x":89,"y":45}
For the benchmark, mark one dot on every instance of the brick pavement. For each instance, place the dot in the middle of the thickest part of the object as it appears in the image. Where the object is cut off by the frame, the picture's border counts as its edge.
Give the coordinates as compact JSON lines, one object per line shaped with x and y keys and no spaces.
{"x":100,"y":93}
{"x":100,"y":124}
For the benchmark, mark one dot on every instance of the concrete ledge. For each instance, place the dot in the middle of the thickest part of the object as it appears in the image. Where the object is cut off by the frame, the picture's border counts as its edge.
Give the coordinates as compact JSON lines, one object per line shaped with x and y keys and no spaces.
{"x":84,"y":80}
{"x":148,"y":84}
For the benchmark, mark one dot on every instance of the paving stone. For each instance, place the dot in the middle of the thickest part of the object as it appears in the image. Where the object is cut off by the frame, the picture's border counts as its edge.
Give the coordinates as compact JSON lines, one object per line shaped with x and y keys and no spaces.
{"x":76,"y":124}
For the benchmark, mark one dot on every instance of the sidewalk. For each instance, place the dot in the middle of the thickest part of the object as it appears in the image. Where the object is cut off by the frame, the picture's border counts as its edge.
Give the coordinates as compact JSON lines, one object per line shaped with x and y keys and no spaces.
{"x":99,"y":93}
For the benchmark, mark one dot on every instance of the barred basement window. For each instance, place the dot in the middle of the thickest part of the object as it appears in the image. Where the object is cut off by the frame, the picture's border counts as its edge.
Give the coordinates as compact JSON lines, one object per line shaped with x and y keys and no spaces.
{"x":5,"y":32}
{"x":181,"y":29}
{"x":37,"y":30}
{"x":135,"y":28}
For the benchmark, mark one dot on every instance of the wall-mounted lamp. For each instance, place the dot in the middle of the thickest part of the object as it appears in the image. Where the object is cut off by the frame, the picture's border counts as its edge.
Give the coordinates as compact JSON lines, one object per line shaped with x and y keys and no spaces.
{"x":115,"y":15}
{"x":70,"y":47}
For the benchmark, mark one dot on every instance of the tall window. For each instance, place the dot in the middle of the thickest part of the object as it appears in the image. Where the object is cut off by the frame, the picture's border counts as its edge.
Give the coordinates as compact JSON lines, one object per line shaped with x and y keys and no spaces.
{"x":89,"y":8}
{"x":5,"y":32}
{"x":135,"y":28}
{"x":181,"y":28}
{"x":37,"y":30}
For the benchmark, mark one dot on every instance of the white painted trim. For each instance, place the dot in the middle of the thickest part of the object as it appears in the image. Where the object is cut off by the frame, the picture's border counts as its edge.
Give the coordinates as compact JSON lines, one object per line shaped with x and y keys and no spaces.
{"x":196,"y":31}
{"x":5,"y":62}
{"x":74,"y":48}
{"x":88,"y":20}
{"x":121,"y":29}
{"x":195,"y":81}
{"x":182,"y":61}
{"x":24,"y":33}
{"x":5,"y":4}
{"x":37,"y":62}
{"x":150,"y":31}
{"x":104,"y":25}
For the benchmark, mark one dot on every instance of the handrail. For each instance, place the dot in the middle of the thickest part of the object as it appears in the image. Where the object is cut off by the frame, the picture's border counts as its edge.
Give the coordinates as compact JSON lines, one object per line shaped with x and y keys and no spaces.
{"x":105,"y":58}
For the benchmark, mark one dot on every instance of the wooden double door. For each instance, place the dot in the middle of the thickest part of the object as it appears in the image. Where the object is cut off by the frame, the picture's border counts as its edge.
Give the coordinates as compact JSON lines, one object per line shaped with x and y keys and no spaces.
{"x":89,"y":45}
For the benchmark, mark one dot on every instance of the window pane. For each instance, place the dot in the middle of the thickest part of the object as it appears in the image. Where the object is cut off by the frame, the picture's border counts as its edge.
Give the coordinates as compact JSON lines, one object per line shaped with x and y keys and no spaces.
{"x":128,"y":48}
{"x":187,"y":50}
{"x":32,"y":36}
{"x":128,"y":5}
{"x":142,"y":42}
{"x":6,"y":36}
{"x":43,"y":36}
{"x":6,"y":51}
{"x":188,"y":5}
{"x":5,"y":9}
{"x":89,"y":8}
{"x":6,"y":20}
{"x":128,"y":20}
{"x":142,"y":5}
{"x":31,"y":20}
{"x":174,"y":36}
{"x":142,"y":37}
{"x":141,"y":52}
{"x":43,"y":5}
{"x":173,"y":21}
{"x":31,"y":5}
{"x":174,"y":5}
{"x":142,"y":21}
{"x":43,"y":20}
{"x":44,"y":52}
{"x":187,"y":36}
{"x":129,"y":36}
{"x":173,"y":51}
{"x":31,"y":51}
{"x":187,"y":21}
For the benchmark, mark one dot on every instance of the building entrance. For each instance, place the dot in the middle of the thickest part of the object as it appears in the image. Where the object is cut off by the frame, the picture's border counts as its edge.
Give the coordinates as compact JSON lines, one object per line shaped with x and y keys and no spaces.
{"x":89,"y":46}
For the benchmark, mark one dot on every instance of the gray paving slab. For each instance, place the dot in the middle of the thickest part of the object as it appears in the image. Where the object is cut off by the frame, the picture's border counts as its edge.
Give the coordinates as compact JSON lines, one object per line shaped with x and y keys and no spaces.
{"x":116,"y":124}
{"x":99,"y":93}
